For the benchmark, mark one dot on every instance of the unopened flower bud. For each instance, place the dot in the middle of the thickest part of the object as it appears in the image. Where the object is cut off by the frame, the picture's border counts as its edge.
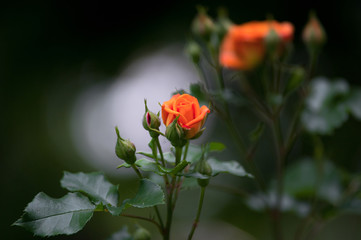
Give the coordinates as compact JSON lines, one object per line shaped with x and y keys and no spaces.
{"x":194,"y":51}
{"x":313,"y":35}
{"x":125,"y":149}
{"x":223,"y":23}
{"x":151,"y":122}
{"x":203,"y":25}
{"x":176,"y":134}
{"x":272,"y":42}
{"x":203,"y":168}
{"x":141,"y":234}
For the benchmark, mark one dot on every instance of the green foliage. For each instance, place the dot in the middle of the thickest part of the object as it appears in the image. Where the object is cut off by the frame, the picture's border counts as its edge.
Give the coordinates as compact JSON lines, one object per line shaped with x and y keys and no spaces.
{"x":263,"y":201}
{"x":329,"y":104}
{"x":46,"y":216}
{"x":354,"y":103}
{"x":230,"y":167}
{"x":308,"y":177}
{"x":122,"y":234}
{"x":149,"y":194}
{"x":216,"y":147}
{"x":295,"y":81}
{"x":196,"y":91}
{"x":94,"y":185}
{"x":145,"y":165}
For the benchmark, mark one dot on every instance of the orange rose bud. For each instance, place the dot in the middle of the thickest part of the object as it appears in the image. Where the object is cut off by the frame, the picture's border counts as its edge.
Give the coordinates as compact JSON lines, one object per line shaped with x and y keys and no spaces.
{"x":151,"y":121}
{"x":191,"y":115}
{"x":313,"y":34}
{"x":244,"y":46}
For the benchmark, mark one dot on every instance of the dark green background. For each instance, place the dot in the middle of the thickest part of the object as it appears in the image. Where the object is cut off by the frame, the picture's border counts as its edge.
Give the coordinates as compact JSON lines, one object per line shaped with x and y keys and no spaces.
{"x":44,"y":45}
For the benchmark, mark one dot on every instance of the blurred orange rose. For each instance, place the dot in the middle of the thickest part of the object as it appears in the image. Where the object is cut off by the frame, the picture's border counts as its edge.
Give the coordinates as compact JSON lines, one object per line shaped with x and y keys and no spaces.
{"x":191,"y":116}
{"x":244,"y":45}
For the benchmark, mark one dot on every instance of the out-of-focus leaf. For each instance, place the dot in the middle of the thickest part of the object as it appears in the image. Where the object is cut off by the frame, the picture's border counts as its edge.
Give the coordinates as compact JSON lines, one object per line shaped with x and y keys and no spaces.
{"x":196,"y":91}
{"x":303,"y":178}
{"x":229,"y":96}
{"x":300,"y":179}
{"x":260,"y":202}
{"x":295,"y":81}
{"x":46,"y":216}
{"x":194,"y":153}
{"x":231,"y":167}
{"x":95,"y":185}
{"x":189,"y":183}
{"x":354,"y":103}
{"x":257,"y":132}
{"x":122,"y":234}
{"x":149,"y":194}
{"x":326,"y":106}
{"x":168,"y":157}
{"x":275,"y":99}
{"x":216,"y":147}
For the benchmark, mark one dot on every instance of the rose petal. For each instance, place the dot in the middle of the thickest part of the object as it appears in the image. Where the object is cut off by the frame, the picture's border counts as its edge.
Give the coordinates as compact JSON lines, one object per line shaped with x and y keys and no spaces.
{"x":203,"y":112}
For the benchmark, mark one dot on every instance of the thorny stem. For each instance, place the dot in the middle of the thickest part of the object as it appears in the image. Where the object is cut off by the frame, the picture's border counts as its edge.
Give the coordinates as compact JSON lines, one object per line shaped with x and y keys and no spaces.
{"x":179,"y":180}
{"x":196,"y":220}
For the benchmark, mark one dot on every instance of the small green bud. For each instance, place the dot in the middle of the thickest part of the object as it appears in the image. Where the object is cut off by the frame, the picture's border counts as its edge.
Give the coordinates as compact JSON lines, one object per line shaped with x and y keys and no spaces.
{"x":176,"y":134}
{"x":194,"y":51}
{"x":125,"y":149}
{"x":203,"y":168}
{"x":272,"y":42}
{"x":141,"y":234}
{"x":223,"y":23}
{"x":150,"y":121}
{"x":203,"y":25}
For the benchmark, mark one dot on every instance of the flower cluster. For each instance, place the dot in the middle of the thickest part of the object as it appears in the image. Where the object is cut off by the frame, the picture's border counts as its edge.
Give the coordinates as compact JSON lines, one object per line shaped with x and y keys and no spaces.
{"x":244,"y":46}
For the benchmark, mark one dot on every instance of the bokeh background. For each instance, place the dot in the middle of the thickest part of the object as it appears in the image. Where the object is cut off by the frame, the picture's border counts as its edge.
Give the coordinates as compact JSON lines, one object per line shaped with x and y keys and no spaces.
{"x":71,"y":71}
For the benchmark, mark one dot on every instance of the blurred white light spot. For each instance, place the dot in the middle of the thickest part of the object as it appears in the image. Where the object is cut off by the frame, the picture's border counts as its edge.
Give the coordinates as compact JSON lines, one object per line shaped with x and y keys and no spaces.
{"x":102,"y":107}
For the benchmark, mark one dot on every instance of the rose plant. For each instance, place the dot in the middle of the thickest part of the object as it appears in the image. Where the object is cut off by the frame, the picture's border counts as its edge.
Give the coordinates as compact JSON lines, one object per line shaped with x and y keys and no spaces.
{"x":92,"y":192}
{"x":286,"y":103}
{"x":254,"y":73}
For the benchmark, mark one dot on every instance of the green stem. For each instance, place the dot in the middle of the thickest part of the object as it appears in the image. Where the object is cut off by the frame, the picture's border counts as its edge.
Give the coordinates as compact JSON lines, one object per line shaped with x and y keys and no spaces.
{"x":170,"y":192}
{"x":160,"y":151}
{"x":137,"y":171}
{"x":280,"y":152}
{"x":179,"y":180}
{"x":186,"y":151}
{"x":166,"y":181}
{"x":196,"y":220}
{"x":178,"y":155}
{"x":178,"y":186}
